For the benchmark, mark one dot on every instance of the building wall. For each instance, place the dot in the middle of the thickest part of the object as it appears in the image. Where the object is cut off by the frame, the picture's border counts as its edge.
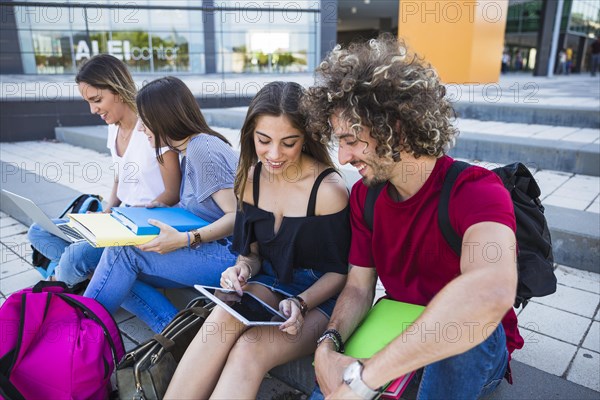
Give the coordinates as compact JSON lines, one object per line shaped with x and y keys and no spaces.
{"x":174,"y":36}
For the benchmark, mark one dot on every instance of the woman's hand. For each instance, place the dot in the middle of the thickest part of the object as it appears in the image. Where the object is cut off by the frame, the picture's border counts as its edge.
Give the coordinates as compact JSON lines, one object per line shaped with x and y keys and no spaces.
{"x":291,"y":309}
{"x":236,"y":277}
{"x":168,"y":239}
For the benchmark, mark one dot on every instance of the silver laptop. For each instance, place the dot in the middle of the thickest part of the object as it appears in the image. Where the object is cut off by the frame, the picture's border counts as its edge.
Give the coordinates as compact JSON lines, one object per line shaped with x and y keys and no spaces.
{"x":63,"y":231}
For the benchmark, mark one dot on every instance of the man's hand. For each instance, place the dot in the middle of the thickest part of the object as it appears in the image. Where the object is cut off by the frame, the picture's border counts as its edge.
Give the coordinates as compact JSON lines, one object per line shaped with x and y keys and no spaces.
{"x":343,"y":392}
{"x":330,"y":366}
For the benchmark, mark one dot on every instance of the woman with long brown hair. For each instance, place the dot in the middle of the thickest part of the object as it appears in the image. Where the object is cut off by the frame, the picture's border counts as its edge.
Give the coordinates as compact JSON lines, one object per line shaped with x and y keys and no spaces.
{"x":171,"y":118}
{"x":292,"y":231}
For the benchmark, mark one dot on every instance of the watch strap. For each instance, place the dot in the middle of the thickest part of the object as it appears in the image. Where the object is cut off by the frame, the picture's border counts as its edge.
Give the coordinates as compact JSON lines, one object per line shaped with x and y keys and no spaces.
{"x":357,"y":385}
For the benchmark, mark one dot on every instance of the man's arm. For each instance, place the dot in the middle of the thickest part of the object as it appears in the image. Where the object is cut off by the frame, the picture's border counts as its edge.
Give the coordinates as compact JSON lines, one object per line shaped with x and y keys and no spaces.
{"x":352,"y":305}
{"x":470,"y":308}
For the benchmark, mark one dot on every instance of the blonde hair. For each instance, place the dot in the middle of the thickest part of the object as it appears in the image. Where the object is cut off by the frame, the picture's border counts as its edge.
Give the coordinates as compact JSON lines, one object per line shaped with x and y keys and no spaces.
{"x":104,"y":71}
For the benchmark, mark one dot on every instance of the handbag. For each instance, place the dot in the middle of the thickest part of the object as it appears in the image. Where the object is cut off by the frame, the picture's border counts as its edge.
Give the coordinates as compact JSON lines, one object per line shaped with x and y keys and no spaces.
{"x":146,"y":371}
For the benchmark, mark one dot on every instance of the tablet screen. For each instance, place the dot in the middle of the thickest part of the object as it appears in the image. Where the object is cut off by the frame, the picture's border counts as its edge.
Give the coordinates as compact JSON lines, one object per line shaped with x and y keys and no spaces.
{"x":252,"y":310}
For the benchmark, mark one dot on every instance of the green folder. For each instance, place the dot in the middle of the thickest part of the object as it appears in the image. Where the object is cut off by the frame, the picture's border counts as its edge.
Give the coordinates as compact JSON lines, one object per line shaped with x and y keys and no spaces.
{"x":382,"y":324}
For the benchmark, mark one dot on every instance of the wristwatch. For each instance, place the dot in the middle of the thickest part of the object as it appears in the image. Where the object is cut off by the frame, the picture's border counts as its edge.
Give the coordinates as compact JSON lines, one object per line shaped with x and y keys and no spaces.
{"x":353,"y":378}
{"x":197,"y":237}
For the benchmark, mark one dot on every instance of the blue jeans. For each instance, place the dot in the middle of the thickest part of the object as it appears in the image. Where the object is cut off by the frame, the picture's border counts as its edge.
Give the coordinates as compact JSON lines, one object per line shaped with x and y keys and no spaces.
{"x":76,"y":261}
{"x":128,"y":277}
{"x":470,"y":375}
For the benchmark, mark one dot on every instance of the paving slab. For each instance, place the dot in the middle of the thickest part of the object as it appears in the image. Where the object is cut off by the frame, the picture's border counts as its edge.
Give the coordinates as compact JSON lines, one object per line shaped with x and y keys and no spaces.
{"x":578,"y":279}
{"x":7,"y":231}
{"x":567,"y":202}
{"x":592,"y":338}
{"x":594,"y":207}
{"x":17,"y":282}
{"x":13,"y":267}
{"x":545,"y":353}
{"x":580,"y":186}
{"x":584,"y":136}
{"x":584,"y":370}
{"x":549,"y":181}
{"x":555,"y":132}
{"x":558,"y":324}
{"x":20,"y":245}
{"x":572,"y":300}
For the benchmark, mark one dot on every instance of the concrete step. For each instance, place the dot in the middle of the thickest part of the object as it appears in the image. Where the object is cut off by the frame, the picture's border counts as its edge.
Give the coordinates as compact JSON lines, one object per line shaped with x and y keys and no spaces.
{"x":544,"y":114}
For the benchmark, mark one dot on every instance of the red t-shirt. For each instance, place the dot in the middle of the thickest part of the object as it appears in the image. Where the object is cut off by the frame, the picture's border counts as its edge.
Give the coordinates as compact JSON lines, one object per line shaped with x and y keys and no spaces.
{"x":413,"y":260}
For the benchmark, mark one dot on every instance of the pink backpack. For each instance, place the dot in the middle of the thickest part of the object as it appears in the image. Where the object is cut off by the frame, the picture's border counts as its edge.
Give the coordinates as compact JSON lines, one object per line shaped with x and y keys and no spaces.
{"x":55,"y":345}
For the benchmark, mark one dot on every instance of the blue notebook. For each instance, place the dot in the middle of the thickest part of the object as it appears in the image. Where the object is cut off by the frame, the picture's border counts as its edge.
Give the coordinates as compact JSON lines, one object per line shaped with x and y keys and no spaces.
{"x":136,"y":219}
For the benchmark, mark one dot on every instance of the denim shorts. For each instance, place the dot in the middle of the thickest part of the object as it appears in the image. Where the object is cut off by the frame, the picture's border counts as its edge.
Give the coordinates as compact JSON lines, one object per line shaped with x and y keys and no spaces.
{"x":302,"y":280}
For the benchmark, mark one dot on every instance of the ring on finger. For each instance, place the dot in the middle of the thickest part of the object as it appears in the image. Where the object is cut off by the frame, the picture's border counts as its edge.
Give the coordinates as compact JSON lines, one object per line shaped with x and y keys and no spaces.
{"x":228,"y":283}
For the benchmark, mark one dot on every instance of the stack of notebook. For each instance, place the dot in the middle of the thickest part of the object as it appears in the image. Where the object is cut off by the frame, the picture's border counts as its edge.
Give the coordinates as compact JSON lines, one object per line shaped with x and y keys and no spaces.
{"x":128,"y":226}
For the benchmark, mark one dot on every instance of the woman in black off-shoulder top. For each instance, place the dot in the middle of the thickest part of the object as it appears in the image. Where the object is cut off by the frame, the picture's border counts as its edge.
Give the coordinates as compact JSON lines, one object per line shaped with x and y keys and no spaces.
{"x":292,"y":232}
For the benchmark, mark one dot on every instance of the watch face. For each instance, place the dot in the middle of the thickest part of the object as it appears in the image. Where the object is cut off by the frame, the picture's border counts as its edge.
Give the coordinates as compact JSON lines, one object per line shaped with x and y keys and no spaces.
{"x":352,"y":372}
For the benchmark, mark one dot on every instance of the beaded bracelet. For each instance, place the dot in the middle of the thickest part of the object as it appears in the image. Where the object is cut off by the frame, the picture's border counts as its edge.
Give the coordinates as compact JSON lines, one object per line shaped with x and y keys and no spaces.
{"x":335,"y":337}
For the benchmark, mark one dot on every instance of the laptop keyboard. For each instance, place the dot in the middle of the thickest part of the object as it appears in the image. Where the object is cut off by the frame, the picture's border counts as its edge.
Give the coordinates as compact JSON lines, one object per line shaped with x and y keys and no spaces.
{"x":70,"y":232}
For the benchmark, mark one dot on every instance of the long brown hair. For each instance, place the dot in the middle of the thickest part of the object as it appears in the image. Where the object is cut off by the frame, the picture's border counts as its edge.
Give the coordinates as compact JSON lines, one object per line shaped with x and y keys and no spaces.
{"x":168,"y":108}
{"x":274,"y":99}
{"x":107,"y":72}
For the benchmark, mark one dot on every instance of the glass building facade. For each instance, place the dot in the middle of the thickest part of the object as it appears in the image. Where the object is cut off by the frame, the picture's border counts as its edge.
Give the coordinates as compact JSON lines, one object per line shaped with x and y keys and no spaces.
{"x":579,"y":26}
{"x":169,"y":36}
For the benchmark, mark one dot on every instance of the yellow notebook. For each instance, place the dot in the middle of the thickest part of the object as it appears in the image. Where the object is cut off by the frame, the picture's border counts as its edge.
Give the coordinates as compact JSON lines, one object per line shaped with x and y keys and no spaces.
{"x":102,"y":230}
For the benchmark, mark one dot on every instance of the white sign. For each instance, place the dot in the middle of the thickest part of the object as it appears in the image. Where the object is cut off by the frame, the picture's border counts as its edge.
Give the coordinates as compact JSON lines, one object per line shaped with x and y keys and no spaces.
{"x":123,"y":50}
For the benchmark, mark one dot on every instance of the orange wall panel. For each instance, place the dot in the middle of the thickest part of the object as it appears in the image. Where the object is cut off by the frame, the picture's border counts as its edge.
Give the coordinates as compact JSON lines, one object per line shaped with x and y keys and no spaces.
{"x":463,"y":40}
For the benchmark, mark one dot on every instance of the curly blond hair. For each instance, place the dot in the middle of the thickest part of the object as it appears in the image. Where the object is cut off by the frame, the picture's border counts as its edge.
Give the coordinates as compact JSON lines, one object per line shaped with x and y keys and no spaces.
{"x":379,"y":85}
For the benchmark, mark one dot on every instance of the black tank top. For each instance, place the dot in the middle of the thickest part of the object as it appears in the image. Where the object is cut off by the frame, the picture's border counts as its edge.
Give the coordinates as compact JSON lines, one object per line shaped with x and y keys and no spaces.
{"x":319,"y":242}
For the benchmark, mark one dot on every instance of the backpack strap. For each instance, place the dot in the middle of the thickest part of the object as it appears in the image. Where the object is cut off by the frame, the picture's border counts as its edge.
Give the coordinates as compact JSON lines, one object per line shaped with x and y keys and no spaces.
{"x":86,"y":200}
{"x":454,"y":239}
{"x":8,"y":390}
{"x":70,"y":206}
{"x":88,"y":204}
{"x":369,"y":210}
{"x":312,"y":201}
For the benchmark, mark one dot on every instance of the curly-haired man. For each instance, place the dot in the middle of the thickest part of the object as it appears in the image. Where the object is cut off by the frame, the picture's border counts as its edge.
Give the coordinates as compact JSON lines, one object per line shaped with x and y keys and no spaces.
{"x":387,"y":112}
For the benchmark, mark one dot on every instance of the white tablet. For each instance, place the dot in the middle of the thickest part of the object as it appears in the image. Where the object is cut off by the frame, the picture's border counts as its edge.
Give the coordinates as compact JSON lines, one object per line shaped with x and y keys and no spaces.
{"x":248,"y":308}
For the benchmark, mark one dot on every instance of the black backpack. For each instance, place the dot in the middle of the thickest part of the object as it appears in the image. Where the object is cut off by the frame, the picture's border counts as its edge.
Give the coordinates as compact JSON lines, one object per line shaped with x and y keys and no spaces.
{"x":81,"y":204}
{"x":535,"y":260}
